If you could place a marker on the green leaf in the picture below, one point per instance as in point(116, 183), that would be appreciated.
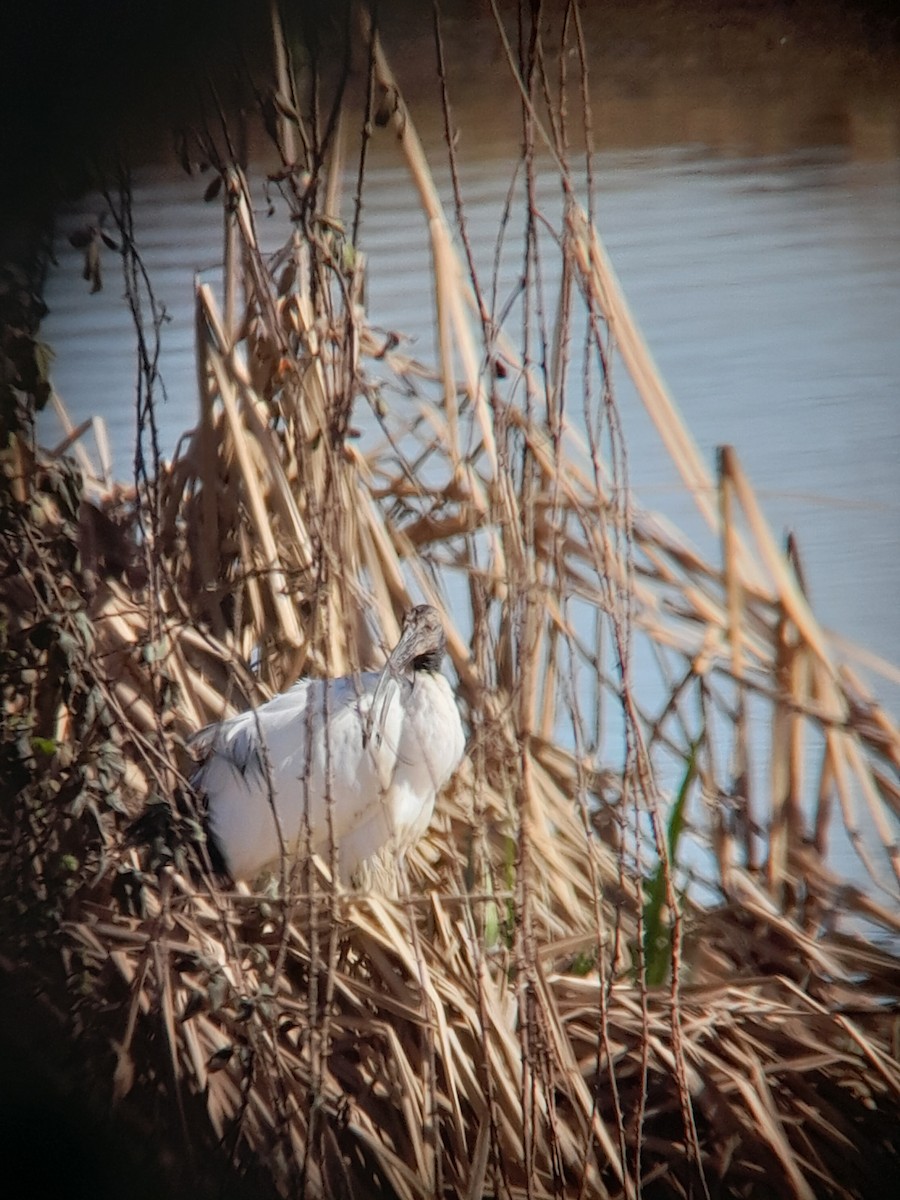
point(584, 963)
point(491, 925)
point(68, 647)
point(156, 651)
point(217, 991)
point(657, 933)
point(85, 628)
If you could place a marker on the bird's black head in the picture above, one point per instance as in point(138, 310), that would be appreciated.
point(422, 643)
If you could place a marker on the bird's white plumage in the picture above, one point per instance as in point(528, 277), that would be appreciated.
point(378, 747)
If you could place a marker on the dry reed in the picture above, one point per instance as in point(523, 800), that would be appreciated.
point(546, 1009)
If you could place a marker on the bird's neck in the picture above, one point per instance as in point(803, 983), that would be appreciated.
point(428, 662)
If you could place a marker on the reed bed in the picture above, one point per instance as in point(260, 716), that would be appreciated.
point(622, 962)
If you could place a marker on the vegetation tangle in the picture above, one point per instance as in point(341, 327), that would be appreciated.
point(620, 963)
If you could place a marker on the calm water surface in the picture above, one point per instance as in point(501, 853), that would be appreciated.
point(758, 242)
point(768, 291)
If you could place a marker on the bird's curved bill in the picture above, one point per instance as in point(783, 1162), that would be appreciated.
point(391, 674)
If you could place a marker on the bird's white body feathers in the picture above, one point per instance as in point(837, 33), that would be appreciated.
point(321, 744)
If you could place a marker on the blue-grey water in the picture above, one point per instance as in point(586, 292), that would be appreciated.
point(768, 291)
point(764, 271)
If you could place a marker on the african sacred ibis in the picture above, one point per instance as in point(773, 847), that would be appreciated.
point(378, 745)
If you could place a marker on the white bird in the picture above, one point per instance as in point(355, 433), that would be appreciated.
point(377, 746)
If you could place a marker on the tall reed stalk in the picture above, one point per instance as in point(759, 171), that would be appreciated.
point(622, 962)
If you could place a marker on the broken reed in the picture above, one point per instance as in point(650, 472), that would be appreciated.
point(494, 1030)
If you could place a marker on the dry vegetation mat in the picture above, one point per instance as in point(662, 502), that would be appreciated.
point(621, 963)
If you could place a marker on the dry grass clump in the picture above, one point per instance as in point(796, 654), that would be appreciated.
point(547, 1008)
